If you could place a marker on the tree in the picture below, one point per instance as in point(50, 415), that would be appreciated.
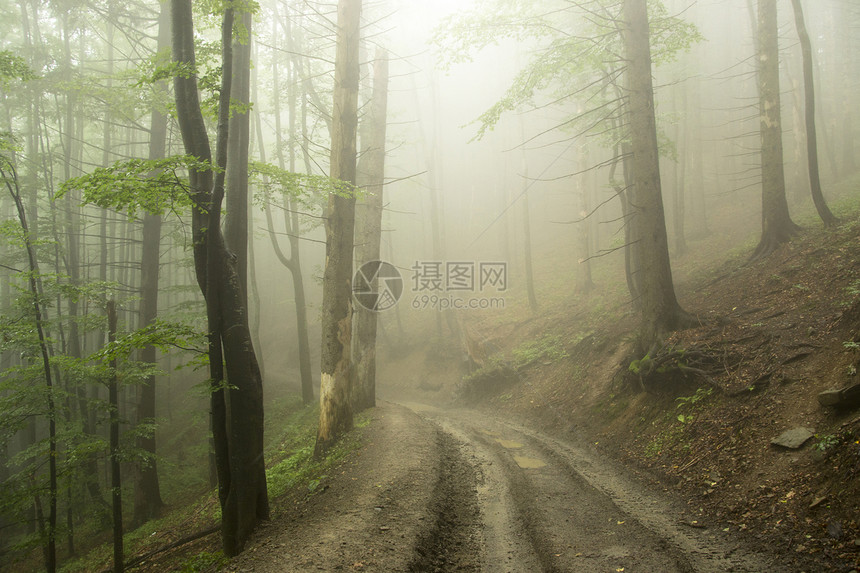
point(777, 226)
point(236, 221)
point(335, 407)
point(370, 176)
point(236, 393)
point(575, 68)
point(811, 136)
point(9, 175)
point(115, 474)
point(661, 312)
point(147, 495)
point(293, 262)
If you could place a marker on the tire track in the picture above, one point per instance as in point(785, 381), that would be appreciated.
point(549, 505)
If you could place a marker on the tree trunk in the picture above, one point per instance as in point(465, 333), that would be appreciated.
point(236, 220)
point(811, 138)
point(335, 408)
point(291, 216)
point(237, 409)
point(527, 244)
point(661, 312)
point(147, 493)
point(10, 178)
point(371, 178)
point(115, 476)
point(777, 226)
point(679, 209)
point(584, 281)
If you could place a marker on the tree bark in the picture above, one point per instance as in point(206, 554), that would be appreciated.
point(147, 493)
point(237, 409)
point(236, 220)
point(115, 475)
point(811, 137)
point(10, 178)
point(584, 281)
point(371, 178)
point(291, 216)
point(777, 226)
point(661, 312)
point(679, 209)
point(335, 407)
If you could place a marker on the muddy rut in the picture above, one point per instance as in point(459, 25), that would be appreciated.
point(458, 490)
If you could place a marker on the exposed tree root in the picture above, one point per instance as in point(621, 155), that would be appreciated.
point(178, 543)
point(666, 367)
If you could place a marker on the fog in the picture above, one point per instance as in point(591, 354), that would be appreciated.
point(706, 100)
point(533, 191)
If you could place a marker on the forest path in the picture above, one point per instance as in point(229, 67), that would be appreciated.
point(459, 490)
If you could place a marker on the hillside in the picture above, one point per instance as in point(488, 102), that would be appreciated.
point(773, 335)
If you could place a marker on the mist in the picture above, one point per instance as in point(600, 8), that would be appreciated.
point(569, 190)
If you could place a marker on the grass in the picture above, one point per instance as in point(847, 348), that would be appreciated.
point(291, 434)
point(547, 348)
point(292, 463)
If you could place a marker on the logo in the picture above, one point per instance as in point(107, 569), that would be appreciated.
point(377, 286)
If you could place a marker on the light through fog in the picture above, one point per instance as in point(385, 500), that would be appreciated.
point(561, 178)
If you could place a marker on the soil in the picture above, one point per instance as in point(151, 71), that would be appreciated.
point(581, 463)
point(459, 490)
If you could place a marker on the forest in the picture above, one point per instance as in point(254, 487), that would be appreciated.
point(244, 243)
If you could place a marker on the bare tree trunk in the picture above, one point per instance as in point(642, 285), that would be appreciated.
point(236, 220)
point(527, 245)
point(10, 178)
point(777, 226)
point(371, 178)
point(291, 216)
point(584, 282)
point(679, 210)
point(115, 475)
point(335, 407)
point(811, 137)
point(237, 410)
point(661, 312)
point(147, 493)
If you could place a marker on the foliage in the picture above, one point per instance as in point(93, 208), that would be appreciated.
point(700, 396)
point(296, 469)
point(493, 376)
point(310, 190)
point(204, 561)
point(825, 442)
point(14, 67)
point(576, 58)
point(547, 348)
point(162, 334)
point(150, 185)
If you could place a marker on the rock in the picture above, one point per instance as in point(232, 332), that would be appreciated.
point(818, 501)
point(834, 529)
point(793, 439)
point(847, 397)
point(830, 397)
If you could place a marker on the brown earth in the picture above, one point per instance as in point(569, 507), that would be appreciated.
point(577, 463)
point(773, 335)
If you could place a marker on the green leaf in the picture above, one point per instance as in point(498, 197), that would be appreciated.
point(153, 186)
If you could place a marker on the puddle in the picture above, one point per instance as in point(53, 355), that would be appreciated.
point(509, 444)
point(489, 433)
point(529, 463)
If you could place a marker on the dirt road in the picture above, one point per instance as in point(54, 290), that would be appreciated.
point(458, 490)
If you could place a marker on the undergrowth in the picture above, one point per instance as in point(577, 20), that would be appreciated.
point(290, 437)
